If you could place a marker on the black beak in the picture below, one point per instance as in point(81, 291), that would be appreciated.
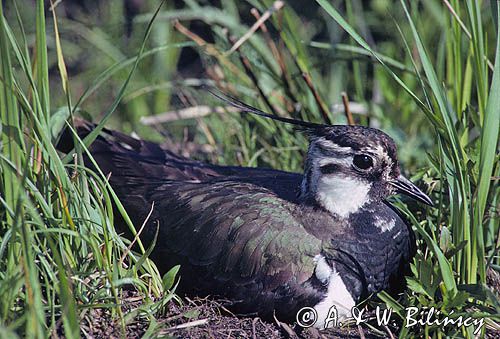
point(406, 187)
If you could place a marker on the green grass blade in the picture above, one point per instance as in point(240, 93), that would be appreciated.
point(489, 138)
point(113, 69)
point(348, 28)
point(456, 152)
point(95, 132)
point(42, 68)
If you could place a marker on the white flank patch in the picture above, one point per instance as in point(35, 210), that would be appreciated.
point(322, 270)
point(342, 195)
point(384, 224)
point(337, 295)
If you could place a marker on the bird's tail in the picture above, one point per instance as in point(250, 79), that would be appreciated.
point(131, 160)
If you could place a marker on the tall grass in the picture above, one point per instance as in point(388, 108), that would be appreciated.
point(59, 252)
point(465, 162)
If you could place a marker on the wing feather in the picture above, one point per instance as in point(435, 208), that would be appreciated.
point(235, 239)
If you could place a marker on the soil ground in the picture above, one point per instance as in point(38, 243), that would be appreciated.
point(205, 318)
point(208, 318)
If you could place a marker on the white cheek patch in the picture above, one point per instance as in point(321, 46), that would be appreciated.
point(337, 295)
point(342, 195)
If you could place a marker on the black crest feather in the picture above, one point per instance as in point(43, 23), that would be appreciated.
point(245, 108)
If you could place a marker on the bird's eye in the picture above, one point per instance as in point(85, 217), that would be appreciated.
point(362, 161)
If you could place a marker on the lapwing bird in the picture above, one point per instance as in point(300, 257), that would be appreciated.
point(271, 241)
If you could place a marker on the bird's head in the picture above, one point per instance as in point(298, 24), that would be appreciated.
point(348, 167)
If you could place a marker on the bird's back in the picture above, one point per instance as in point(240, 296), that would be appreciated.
point(134, 162)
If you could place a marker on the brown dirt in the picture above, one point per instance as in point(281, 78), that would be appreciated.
point(200, 318)
point(213, 320)
point(207, 318)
